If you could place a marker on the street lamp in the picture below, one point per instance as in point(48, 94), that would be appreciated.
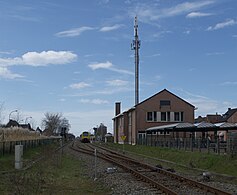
point(11, 113)
point(27, 118)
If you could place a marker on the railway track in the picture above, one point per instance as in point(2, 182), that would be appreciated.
point(164, 181)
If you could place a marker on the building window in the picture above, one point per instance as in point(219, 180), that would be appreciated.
point(163, 132)
point(168, 116)
point(166, 132)
point(154, 116)
point(179, 116)
point(164, 103)
point(163, 116)
point(176, 116)
point(149, 116)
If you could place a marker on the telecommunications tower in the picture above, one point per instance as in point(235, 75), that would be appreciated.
point(136, 46)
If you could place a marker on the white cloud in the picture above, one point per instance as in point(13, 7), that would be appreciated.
point(105, 65)
point(25, 18)
point(206, 105)
point(109, 66)
point(94, 101)
point(209, 106)
point(161, 33)
point(110, 28)
point(150, 56)
point(79, 85)
point(228, 22)
point(48, 57)
point(5, 52)
point(7, 74)
point(11, 61)
point(148, 13)
point(103, 91)
point(215, 53)
point(185, 7)
point(229, 83)
point(104, 1)
point(117, 83)
point(43, 58)
point(187, 32)
point(73, 32)
point(198, 15)
point(158, 77)
point(122, 71)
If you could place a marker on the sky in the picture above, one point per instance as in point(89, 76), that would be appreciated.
point(74, 57)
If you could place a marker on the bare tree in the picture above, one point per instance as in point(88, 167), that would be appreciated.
point(65, 124)
point(51, 122)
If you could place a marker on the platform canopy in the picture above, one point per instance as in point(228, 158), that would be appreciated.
point(189, 127)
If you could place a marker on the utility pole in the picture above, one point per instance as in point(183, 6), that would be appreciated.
point(136, 46)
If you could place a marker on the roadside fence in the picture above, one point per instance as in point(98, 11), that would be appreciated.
point(193, 144)
point(8, 147)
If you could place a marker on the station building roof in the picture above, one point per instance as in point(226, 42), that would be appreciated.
point(189, 127)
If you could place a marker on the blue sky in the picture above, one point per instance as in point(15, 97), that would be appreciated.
point(74, 57)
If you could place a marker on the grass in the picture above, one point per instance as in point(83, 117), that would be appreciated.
point(56, 174)
point(222, 164)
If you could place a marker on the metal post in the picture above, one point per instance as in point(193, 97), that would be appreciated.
point(11, 113)
point(123, 147)
point(95, 178)
point(191, 142)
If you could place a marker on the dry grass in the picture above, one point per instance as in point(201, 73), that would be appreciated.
point(16, 133)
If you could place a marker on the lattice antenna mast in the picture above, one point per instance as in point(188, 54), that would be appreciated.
point(136, 46)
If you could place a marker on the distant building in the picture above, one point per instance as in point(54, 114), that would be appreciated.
point(163, 108)
point(109, 138)
point(230, 116)
point(13, 123)
point(100, 132)
point(38, 130)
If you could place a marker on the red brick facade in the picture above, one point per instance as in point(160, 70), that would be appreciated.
point(160, 109)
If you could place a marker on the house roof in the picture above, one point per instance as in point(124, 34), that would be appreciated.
point(165, 90)
point(132, 108)
point(12, 123)
point(121, 114)
point(229, 113)
point(217, 118)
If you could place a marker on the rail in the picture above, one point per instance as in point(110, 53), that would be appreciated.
point(150, 174)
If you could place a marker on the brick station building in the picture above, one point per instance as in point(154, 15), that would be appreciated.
point(163, 108)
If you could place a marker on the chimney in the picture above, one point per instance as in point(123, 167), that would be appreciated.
point(229, 109)
point(117, 108)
